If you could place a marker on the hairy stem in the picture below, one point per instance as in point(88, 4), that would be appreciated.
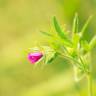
point(90, 87)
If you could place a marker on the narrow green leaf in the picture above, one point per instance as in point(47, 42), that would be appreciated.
point(75, 35)
point(58, 28)
point(46, 33)
point(85, 25)
point(93, 42)
point(59, 31)
point(75, 24)
point(56, 39)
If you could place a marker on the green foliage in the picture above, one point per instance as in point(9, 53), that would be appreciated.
point(85, 45)
point(76, 39)
point(75, 24)
point(49, 55)
point(85, 25)
point(46, 33)
point(73, 48)
point(75, 35)
point(59, 30)
point(60, 33)
point(93, 42)
point(78, 73)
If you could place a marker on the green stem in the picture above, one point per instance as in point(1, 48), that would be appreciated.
point(90, 89)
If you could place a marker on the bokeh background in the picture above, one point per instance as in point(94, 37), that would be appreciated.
point(20, 24)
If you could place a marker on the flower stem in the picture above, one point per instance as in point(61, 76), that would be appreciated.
point(90, 89)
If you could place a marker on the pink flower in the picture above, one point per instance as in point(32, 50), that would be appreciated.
point(34, 57)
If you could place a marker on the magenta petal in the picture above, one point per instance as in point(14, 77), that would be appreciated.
point(34, 57)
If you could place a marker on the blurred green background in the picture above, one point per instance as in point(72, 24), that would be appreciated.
point(20, 25)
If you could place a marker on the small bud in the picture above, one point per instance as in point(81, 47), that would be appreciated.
point(34, 57)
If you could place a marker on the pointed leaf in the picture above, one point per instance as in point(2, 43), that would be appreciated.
point(85, 25)
point(59, 31)
point(75, 24)
point(93, 42)
point(75, 35)
point(46, 33)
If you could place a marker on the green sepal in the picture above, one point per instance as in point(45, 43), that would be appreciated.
point(49, 54)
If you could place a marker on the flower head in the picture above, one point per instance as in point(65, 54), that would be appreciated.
point(34, 57)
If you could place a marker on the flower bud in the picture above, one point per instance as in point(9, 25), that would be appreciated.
point(34, 57)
